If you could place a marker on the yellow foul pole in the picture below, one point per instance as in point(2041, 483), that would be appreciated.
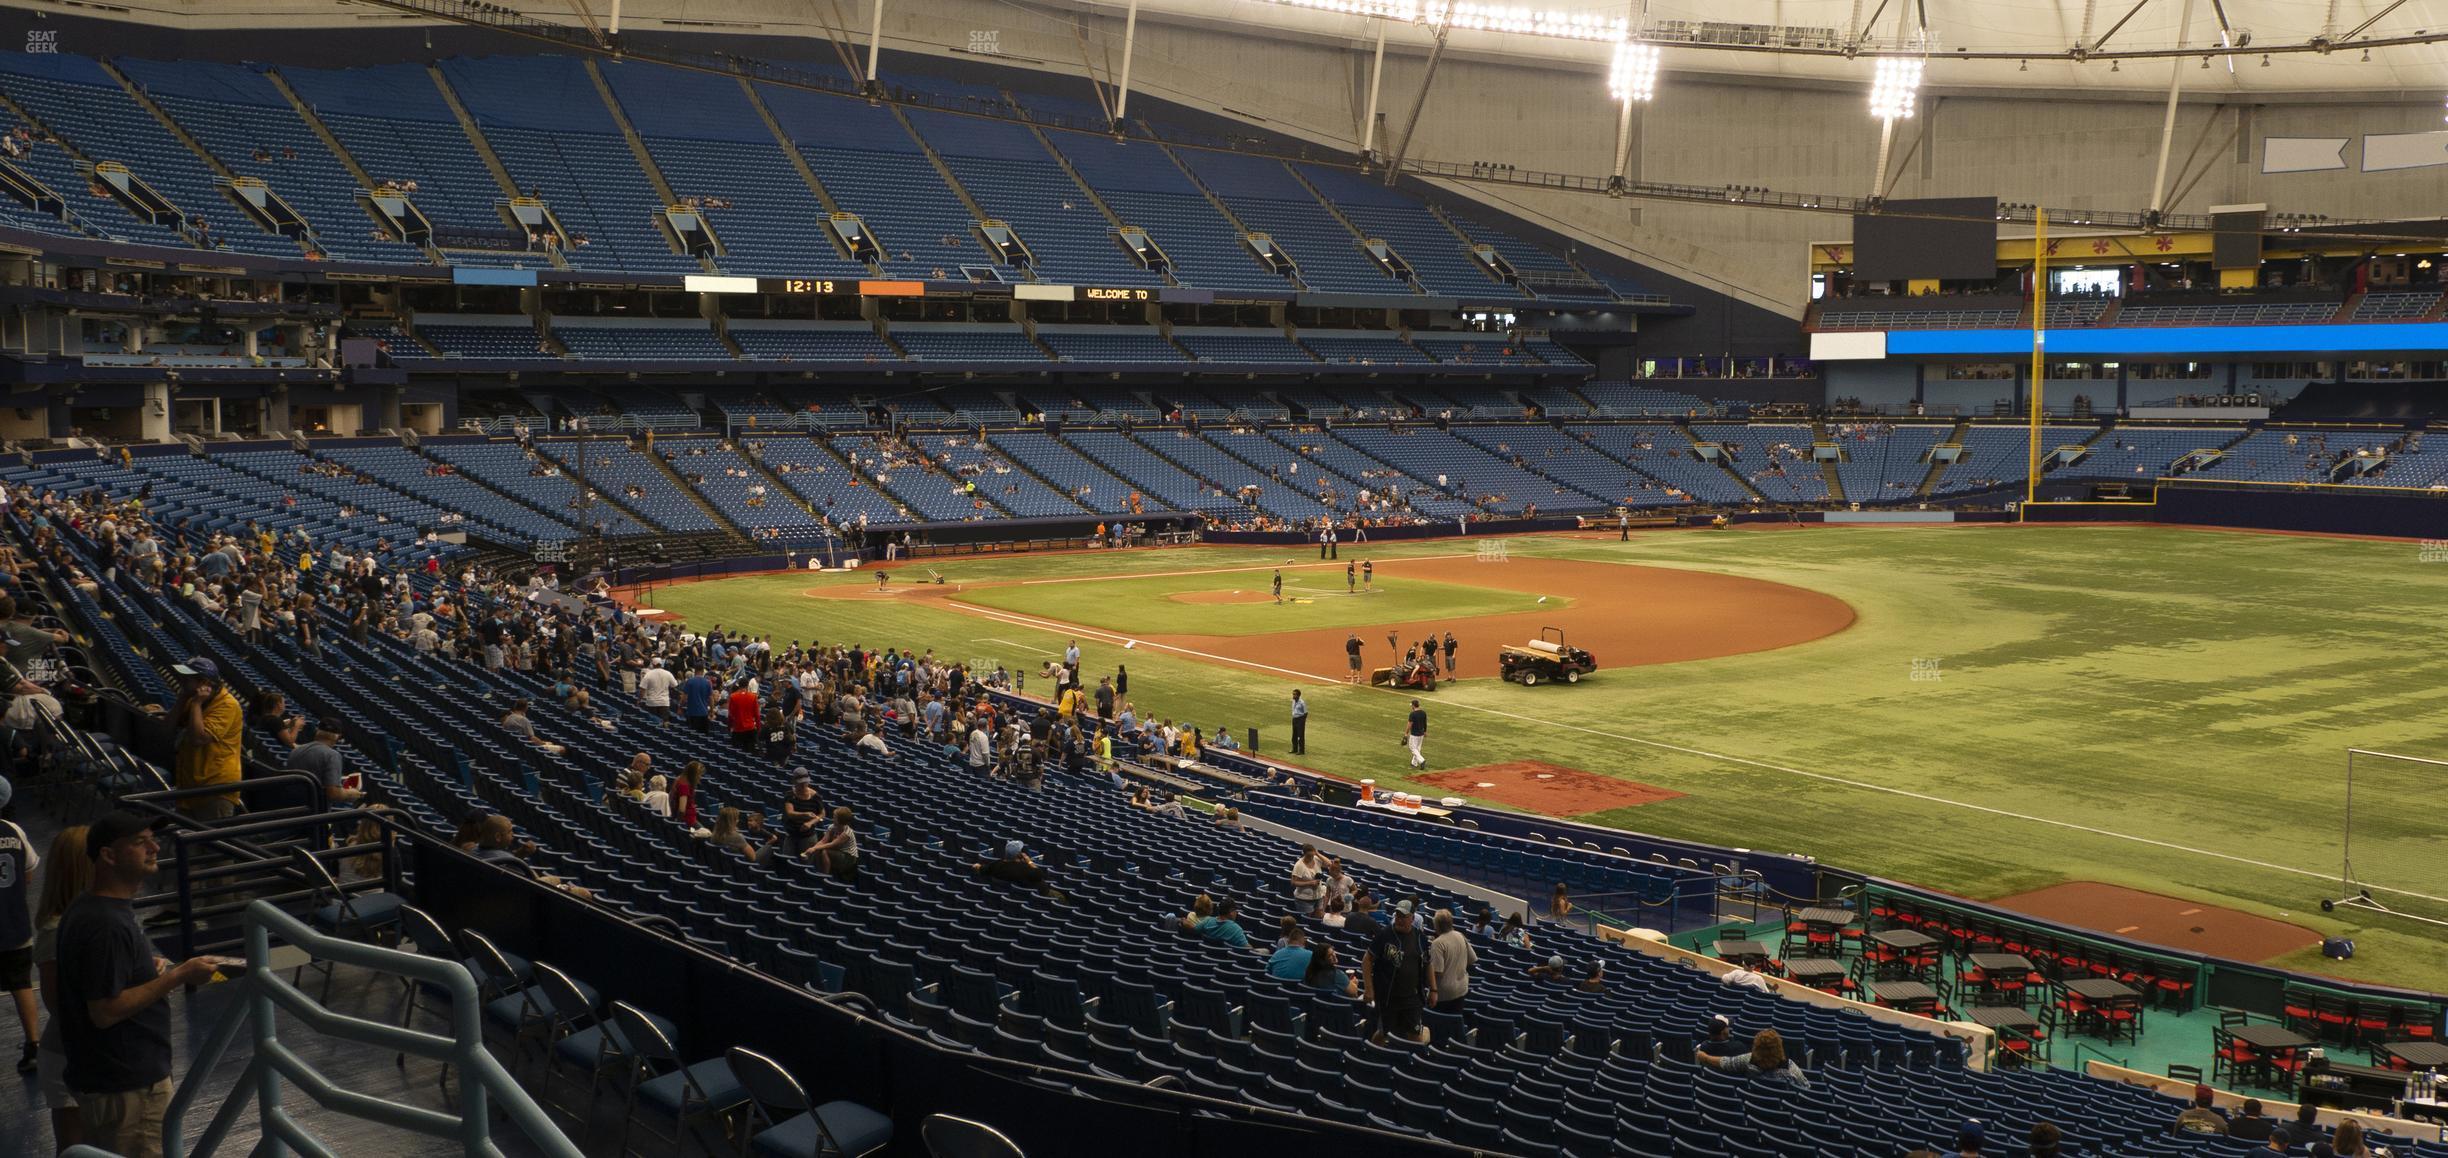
point(2031, 477)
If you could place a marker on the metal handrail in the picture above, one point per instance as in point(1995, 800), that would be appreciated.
point(265, 994)
point(2083, 1047)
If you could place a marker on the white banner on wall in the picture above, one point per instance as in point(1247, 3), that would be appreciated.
point(2384, 151)
point(2303, 154)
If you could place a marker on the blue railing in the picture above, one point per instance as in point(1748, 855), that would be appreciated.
point(485, 1085)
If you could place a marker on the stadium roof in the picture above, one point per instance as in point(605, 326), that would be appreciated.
point(2108, 46)
point(2307, 50)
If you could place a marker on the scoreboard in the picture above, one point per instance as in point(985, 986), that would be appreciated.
point(829, 286)
point(882, 288)
point(804, 286)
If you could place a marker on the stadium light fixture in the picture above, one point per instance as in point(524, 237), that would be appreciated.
point(1565, 23)
point(1895, 91)
point(1406, 10)
point(1634, 78)
point(1562, 23)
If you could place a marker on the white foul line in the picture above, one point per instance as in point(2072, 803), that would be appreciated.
point(1012, 643)
point(1058, 628)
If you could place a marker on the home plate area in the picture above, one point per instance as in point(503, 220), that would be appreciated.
point(1547, 789)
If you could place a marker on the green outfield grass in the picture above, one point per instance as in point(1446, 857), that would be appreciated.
point(1312, 599)
point(2163, 709)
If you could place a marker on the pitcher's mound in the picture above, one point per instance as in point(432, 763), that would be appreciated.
point(1547, 789)
point(2157, 920)
point(1221, 597)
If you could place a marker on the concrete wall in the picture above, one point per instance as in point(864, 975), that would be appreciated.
point(1971, 398)
point(27, 423)
point(1874, 383)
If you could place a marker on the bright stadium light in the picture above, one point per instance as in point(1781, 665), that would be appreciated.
point(1634, 78)
point(1896, 90)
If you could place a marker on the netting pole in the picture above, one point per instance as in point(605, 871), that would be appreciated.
point(2346, 885)
point(2403, 891)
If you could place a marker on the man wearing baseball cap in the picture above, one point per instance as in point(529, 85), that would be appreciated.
point(211, 735)
point(320, 758)
point(1015, 866)
point(803, 813)
point(1396, 978)
point(114, 1025)
point(1450, 958)
point(1716, 1033)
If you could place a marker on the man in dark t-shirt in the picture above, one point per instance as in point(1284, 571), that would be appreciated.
point(1015, 867)
point(320, 758)
point(803, 813)
point(1415, 734)
point(697, 700)
point(2251, 1125)
point(1397, 978)
point(114, 1023)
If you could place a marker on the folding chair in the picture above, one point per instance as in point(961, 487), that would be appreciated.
point(682, 1091)
point(364, 918)
point(949, 1137)
point(842, 1129)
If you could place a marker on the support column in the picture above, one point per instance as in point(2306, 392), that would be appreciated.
point(1368, 124)
point(1130, 40)
point(154, 413)
point(1878, 173)
point(1436, 55)
point(1623, 145)
point(615, 25)
point(1878, 177)
point(2167, 124)
point(875, 44)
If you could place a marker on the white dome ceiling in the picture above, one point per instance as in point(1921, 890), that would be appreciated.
point(2033, 40)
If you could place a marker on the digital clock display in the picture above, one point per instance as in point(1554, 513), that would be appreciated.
point(803, 285)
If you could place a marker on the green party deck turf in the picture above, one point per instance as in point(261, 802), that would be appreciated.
point(2158, 708)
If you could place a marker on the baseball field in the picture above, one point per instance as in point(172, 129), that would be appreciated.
point(1990, 711)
